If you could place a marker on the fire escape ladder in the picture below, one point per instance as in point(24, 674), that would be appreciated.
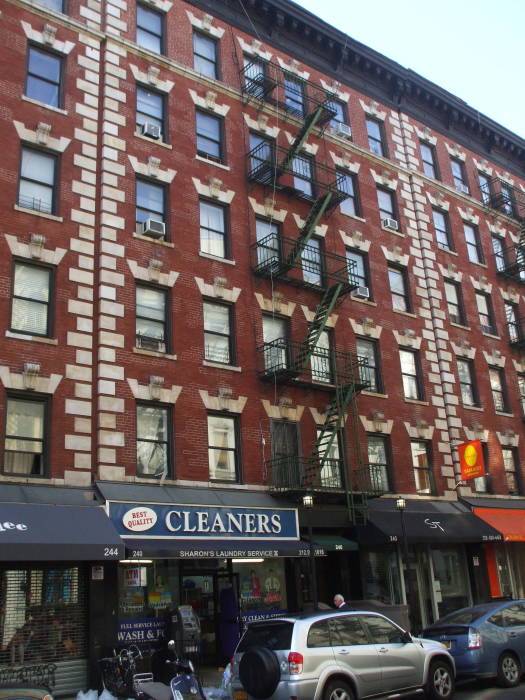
point(314, 215)
point(309, 123)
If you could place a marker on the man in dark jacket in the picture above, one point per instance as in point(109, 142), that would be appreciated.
point(340, 602)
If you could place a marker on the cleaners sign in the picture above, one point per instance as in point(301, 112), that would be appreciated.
point(177, 521)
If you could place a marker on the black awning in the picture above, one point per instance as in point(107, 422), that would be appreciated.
point(216, 549)
point(38, 532)
point(437, 522)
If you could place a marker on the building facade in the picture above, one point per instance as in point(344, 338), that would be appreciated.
point(247, 260)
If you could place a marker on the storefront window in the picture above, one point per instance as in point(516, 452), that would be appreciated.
point(262, 588)
point(381, 579)
point(450, 579)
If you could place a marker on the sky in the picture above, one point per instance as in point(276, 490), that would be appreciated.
point(475, 49)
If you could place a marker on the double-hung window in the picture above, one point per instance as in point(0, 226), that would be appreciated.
point(275, 339)
point(454, 301)
point(442, 228)
point(379, 463)
point(510, 465)
point(223, 458)
point(312, 262)
point(421, 464)
point(357, 268)
point(459, 176)
point(498, 389)
point(213, 239)
point(347, 183)
point(38, 177)
point(268, 243)
point(44, 77)
point(339, 117)
point(428, 156)
point(151, 318)
point(294, 95)
point(25, 436)
point(303, 175)
point(376, 138)
point(513, 323)
point(209, 136)
point(486, 314)
point(30, 310)
point(205, 55)
point(521, 392)
point(397, 279)
point(150, 207)
point(261, 156)
point(57, 5)
point(153, 440)
point(150, 29)
point(474, 249)
point(387, 206)
point(411, 375)
point(150, 113)
point(467, 382)
point(218, 340)
point(508, 199)
point(369, 350)
point(332, 463)
point(485, 189)
point(254, 76)
point(500, 253)
point(321, 359)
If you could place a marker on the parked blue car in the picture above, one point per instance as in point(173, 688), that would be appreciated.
point(486, 640)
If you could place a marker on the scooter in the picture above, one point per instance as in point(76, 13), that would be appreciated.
point(184, 683)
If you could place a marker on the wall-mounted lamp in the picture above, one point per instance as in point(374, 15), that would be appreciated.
point(30, 375)
point(308, 500)
point(155, 387)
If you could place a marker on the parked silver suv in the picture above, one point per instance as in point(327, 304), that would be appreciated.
point(348, 655)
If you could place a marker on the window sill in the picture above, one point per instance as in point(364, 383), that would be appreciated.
point(219, 365)
point(33, 338)
point(41, 214)
point(25, 98)
point(363, 301)
point(447, 250)
point(418, 402)
point(491, 335)
point(212, 162)
point(155, 241)
point(404, 313)
point(375, 394)
point(153, 353)
point(157, 142)
point(472, 408)
point(393, 232)
point(479, 264)
point(216, 258)
point(505, 413)
point(460, 325)
point(353, 216)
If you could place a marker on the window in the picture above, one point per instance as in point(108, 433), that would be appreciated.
point(458, 175)
point(442, 228)
point(151, 204)
point(378, 463)
point(411, 375)
point(467, 384)
point(428, 156)
point(508, 199)
point(454, 301)
point(474, 249)
point(303, 175)
point(521, 390)
point(312, 262)
point(275, 338)
point(44, 74)
point(254, 76)
point(209, 136)
point(500, 253)
point(262, 156)
point(498, 388)
point(347, 183)
point(213, 229)
point(218, 333)
point(369, 350)
point(485, 188)
point(321, 359)
point(513, 323)
point(421, 463)
point(153, 440)
point(293, 96)
point(387, 205)
point(150, 110)
point(347, 631)
point(57, 5)
point(357, 267)
point(399, 289)
point(150, 29)
point(340, 113)
point(205, 55)
point(331, 469)
point(25, 436)
point(486, 316)
point(38, 178)
point(286, 454)
point(376, 141)
point(30, 311)
point(510, 465)
point(151, 318)
point(222, 448)
point(481, 484)
point(268, 243)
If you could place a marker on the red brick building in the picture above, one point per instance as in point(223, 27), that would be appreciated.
point(246, 259)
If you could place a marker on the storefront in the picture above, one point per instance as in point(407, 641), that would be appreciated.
point(446, 556)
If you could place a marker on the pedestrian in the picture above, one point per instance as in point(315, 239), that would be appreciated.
point(340, 602)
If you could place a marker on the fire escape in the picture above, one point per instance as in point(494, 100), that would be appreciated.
point(298, 262)
point(502, 197)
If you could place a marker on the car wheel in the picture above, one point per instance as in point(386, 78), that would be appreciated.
point(259, 672)
point(440, 682)
point(338, 690)
point(509, 670)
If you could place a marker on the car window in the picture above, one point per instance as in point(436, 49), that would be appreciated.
point(463, 617)
point(318, 635)
point(497, 619)
point(514, 615)
point(347, 630)
point(272, 635)
point(381, 630)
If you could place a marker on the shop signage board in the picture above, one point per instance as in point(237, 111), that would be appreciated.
point(471, 460)
point(140, 630)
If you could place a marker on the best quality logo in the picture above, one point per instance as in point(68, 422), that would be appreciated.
point(139, 519)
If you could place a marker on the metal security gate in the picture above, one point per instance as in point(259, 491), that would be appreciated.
point(43, 625)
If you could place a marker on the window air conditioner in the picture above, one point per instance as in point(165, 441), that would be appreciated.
point(361, 292)
point(344, 130)
point(389, 223)
point(153, 228)
point(151, 130)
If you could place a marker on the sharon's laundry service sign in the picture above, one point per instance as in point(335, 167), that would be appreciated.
point(174, 521)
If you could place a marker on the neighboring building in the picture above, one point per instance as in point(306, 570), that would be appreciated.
point(248, 260)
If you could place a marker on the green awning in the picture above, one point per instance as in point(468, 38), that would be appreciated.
point(335, 543)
